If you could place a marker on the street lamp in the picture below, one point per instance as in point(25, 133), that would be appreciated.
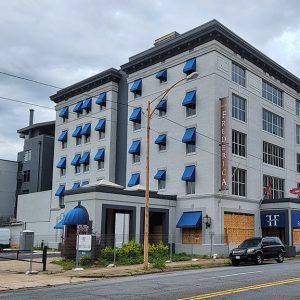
point(193, 75)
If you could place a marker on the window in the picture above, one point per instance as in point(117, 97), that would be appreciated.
point(79, 114)
point(239, 143)
point(191, 236)
point(64, 145)
point(272, 123)
point(101, 135)
point(272, 93)
point(25, 192)
point(162, 107)
point(298, 162)
point(162, 147)
point(61, 200)
point(137, 126)
point(189, 102)
point(19, 184)
point(273, 187)
point(100, 164)
point(27, 155)
point(238, 182)
point(298, 107)
point(190, 111)
point(87, 139)
point(298, 186)
point(136, 158)
point(190, 147)
point(238, 108)
point(161, 184)
point(78, 140)
point(273, 155)
point(298, 134)
point(189, 139)
point(162, 75)
point(20, 166)
point(136, 88)
point(77, 169)
point(86, 168)
point(190, 187)
point(101, 101)
point(238, 74)
point(26, 176)
point(162, 113)
point(62, 172)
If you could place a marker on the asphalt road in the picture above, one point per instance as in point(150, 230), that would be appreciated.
point(269, 281)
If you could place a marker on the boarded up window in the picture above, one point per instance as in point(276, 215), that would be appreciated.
point(238, 227)
point(191, 236)
point(296, 236)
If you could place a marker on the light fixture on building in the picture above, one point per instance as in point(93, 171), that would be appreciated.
point(207, 221)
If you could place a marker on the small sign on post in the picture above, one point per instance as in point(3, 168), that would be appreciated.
point(84, 242)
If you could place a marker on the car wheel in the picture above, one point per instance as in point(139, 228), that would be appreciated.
point(259, 259)
point(235, 263)
point(280, 257)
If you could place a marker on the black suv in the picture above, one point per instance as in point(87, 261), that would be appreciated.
point(257, 249)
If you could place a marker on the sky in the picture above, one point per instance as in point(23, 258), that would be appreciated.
point(61, 42)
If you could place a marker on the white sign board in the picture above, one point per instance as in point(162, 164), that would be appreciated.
point(84, 242)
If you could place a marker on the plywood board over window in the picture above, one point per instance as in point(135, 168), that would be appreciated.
point(296, 236)
point(238, 227)
point(191, 236)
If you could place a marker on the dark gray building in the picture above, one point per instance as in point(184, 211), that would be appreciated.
point(35, 162)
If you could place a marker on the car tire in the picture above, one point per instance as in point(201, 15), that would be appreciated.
point(235, 263)
point(280, 258)
point(259, 259)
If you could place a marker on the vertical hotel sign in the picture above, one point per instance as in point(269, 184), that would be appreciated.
point(224, 143)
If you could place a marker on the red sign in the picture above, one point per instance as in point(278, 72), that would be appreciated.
point(224, 143)
point(295, 191)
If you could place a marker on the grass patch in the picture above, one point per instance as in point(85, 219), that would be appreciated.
point(67, 264)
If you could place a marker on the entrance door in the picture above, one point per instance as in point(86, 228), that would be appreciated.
point(274, 231)
point(121, 229)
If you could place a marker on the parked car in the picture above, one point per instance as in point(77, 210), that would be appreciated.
point(4, 238)
point(257, 250)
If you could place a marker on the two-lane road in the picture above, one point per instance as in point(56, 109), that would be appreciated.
point(269, 281)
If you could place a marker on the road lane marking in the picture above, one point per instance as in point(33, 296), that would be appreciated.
point(242, 289)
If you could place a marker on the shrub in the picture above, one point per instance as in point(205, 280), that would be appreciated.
point(158, 250)
point(159, 263)
point(107, 253)
point(67, 264)
point(132, 249)
point(85, 261)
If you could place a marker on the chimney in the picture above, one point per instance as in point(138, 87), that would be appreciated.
point(31, 113)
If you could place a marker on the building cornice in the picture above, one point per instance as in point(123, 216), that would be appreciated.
point(110, 75)
point(212, 30)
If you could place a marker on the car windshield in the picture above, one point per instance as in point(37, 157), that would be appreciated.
point(250, 243)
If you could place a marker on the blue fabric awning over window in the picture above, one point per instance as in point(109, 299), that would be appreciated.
point(134, 180)
point(189, 135)
point(64, 113)
point(77, 132)
point(296, 219)
point(76, 160)
point(135, 147)
point(136, 115)
point(100, 155)
point(190, 220)
point(63, 137)
point(76, 185)
point(190, 66)
point(87, 104)
point(161, 139)
point(162, 105)
point(189, 99)
point(136, 87)
point(85, 158)
point(160, 175)
point(162, 74)
point(189, 173)
point(101, 99)
point(86, 130)
point(62, 163)
point(60, 191)
point(101, 125)
point(77, 216)
point(78, 106)
point(86, 182)
point(60, 224)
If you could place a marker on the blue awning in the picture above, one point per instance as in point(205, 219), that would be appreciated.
point(189, 135)
point(86, 182)
point(77, 132)
point(60, 224)
point(135, 147)
point(134, 180)
point(64, 113)
point(160, 175)
point(136, 87)
point(77, 216)
point(86, 130)
point(101, 125)
point(78, 106)
point(161, 139)
point(76, 185)
point(60, 191)
point(136, 115)
point(189, 173)
point(272, 219)
point(189, 99)
point(190, 66)
point(162, 74)
point(100, 155)
point(101, 99)
point(190, 220)
point(62, 163)
point(76, 160)
point(162, 105)
point(296, 219)
point(87, 104)
point(85, 158)
point(63, 137)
